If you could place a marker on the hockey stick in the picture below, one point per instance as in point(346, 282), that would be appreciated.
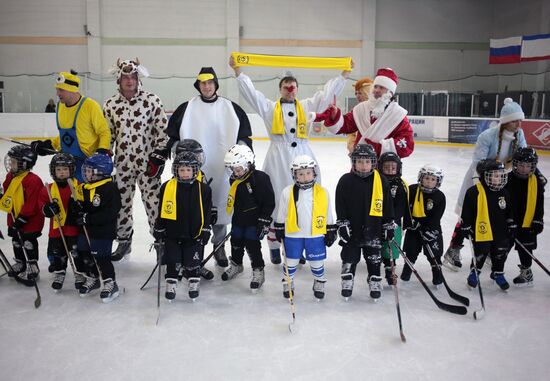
point(160, 252)
point(459, 310)
point(479, 314)
point(222, 242)
point(58, 220)
point(290, 292)
point(11, 271)
point(396, 292)
point(52, 151)
point(459, 298)
point(532, 256)
point(38, 300)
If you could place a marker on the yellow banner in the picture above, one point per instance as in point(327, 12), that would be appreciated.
point(247, 59)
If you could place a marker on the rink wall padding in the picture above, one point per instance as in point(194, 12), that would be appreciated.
point(426, 128)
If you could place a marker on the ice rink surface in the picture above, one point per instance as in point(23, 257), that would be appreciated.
point(228, 333)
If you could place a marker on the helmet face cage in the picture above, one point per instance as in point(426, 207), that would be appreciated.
point(193, 146)
point(495, 179)
point(524, 162)
point(62, 160)
point(390, 157)
point(430, 170)
point(363, 159)
point(300, 163)
point(24, 158)
point(239, 161)
point(185, 159)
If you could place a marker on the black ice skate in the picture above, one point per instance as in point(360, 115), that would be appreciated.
point(207, 274)
point(171, 286)
point(79, 280)
point(347, 285)
point(58, 279)
point(258, 279)
point(31, 273)
point(525, 277)
point(194, 284)
point(375, 287)
point(233, 270)
point(452, 259)
point(319, 288)
point(286, 291)
point(110, 291)
point(88, 286)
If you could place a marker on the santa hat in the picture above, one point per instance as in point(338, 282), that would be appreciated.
point(511, 111)
point(362, 82)
point(387, 78)
point(206, 74)
point(68, 81)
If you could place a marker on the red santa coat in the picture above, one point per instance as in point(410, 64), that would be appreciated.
point(391, 132)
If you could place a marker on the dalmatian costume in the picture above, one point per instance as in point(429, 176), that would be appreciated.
point(137, 131)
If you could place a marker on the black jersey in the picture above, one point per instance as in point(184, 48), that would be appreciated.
point(517, 188)
point(254, 198)
point(102, 210)
point(434, 207)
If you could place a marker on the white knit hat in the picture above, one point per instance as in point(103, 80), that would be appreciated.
point(511, 111)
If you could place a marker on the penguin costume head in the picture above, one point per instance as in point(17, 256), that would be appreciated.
point(206, 74)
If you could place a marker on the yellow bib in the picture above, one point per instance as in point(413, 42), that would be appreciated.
point(418, 206)
point(319, 215)
point(531, 202)
point(483, 232)
point(91, 187)
point(232, 190)
point(14, 198)
point(278, 125)
point(377, 200)
point(169, 206)
point(54, 191)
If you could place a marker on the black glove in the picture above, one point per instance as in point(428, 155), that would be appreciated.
point(43, 147)
point(205, 235)
point(537, 226)
point(82, 219)
point(344, 230)
point(263, 227)
point(388, 231)
point(75, 206)
point(155, 165)
point(17, 225)
point(214, 215)
point(414, 224)
point(512, 229)
point(51, 209)
point(279, 231)
point(159, 232)
point(331, 235)
point(104, 151)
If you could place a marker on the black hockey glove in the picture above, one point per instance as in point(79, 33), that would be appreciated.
point(537, 226)
point(159, 232)
point(332, 234)
point(51, 209)
point(512, 229)
point(155, 166)
point(279, 231)
point(205, 235)
point(17, 226)
point(82, 219)
point(344, 230)
point(262, 228)
point(388, 231)
point(213, 215)
point(43, 147)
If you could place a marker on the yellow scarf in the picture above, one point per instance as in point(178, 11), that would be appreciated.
point(319, 215)
point(14, 198)
point(232, 191)
point(531, 202)
point(278, 124)
point(377, 200)
point(483, 232)
point(247, 59)
point(169, 206)
point(418, 206)
point(54, 191)
point(91, 187)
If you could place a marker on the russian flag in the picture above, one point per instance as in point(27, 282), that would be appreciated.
point(505, 50)
point(535, 47)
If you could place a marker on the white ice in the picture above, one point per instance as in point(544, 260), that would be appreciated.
point(231, 334)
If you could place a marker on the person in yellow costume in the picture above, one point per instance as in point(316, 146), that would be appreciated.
point(82, 127)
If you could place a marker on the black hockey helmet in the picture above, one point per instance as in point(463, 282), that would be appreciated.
point(492, 173)
point(390, 157)
point(24, 156)
point(363, 151)
point(524, 162)
point(185, 159)
point(193, 146)
point(62, 159)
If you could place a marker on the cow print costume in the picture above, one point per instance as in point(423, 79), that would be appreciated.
point(137, 128)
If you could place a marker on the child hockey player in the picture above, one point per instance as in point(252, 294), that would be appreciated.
point(62, 170)
point(527, 191)
point(423, 225)
point(184, 224)
point(390, 166)
point(25, 220)
point(304, 221)
point(251, 199)
point(487, 217)
point(364, 209)
point(98, 218)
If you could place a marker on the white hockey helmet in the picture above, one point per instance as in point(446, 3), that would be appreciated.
point(303, 162)
point(239, 156)
point(430, 170)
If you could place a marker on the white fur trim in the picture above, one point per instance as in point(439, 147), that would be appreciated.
point(387, 145)
point(511, 117)
point(386, 82)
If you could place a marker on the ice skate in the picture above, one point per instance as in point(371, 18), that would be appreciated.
point(347, 285)
point(525, 277)
point(110, 291)
point(452, 259)
point(194, 284)
point(58, 279)
point(319, 289)
point(500, 280)
point(123, 249)
point(375, 287)
point(89, 285)
point(233, 270)
point(170, 291)
point(258, 279)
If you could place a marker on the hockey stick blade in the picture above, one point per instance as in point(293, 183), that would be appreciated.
point(480, 314)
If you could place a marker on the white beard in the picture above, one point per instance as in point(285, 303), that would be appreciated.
point(377, 106)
